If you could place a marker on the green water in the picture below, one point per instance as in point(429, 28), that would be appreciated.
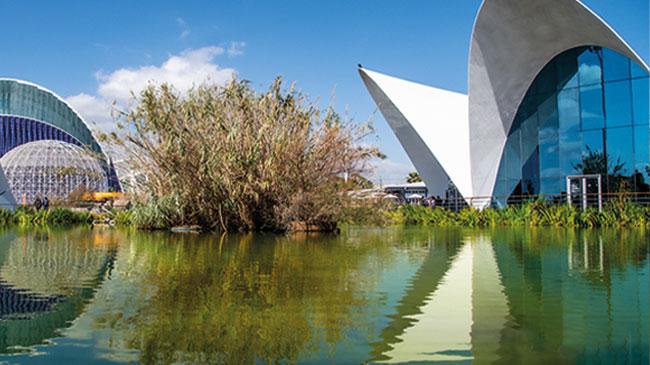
point(389, 295)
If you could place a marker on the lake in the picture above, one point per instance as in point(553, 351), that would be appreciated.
point(385, 295)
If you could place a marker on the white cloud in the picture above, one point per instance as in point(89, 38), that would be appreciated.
point(387, 171)
point(93, 109)
point(236, 49)
point(185, 70)
point(190, 68)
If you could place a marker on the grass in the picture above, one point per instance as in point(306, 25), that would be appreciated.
point(618, 213)
point(27, 216)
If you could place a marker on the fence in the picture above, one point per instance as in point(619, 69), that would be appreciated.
point(591, 199)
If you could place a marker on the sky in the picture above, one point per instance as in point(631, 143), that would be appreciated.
point(95, 52)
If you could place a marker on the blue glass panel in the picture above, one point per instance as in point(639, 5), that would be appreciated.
point(513, 159)
point(592, 141)
point(568, 110)
point(641, 148)
point(591, 107)
point(567, 70)
point(615, 66)
point(549, 157)
point(546, 80)
point(552, 186)
point(570, 152)
point(640, 100)
point(620, 151)
point(547, 112)
point(637, 70)
point(618, 103)
point(589, 68)
point(530, 174)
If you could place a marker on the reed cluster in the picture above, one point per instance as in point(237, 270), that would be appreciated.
point(230, 158)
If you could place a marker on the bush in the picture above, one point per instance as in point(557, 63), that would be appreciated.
point(231, 158)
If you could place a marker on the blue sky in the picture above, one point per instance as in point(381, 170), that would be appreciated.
point(91, 51)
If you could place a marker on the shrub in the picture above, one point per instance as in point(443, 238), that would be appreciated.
point(235, 159)
point(620, 213)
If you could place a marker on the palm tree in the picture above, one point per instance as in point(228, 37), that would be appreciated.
point(413, 177)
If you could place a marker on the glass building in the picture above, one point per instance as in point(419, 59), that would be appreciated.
point(31, 113)
point(556, 101)
point(585, 113)
point(52, 169)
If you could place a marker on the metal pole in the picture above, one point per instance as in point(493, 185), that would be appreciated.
point(568, 190)
point(584, 194)
point(600, 194)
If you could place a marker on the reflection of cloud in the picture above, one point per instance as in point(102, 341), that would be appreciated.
point(589, 73)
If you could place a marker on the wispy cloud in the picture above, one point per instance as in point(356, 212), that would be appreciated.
point(185, 29)
point(236, 48)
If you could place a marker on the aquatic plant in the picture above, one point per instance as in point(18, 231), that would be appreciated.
point(28, 216)
point(617, 213)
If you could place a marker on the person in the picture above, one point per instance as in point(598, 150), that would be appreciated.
point(46, 203)
point(38, 203)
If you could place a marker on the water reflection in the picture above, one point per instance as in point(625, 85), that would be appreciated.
point(385, 295)
point(46, 279)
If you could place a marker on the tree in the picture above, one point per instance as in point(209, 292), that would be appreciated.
point(413, 177)
point(597, 162)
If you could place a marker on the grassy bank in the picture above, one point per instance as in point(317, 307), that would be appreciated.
point(619, 213)
point(56, 216)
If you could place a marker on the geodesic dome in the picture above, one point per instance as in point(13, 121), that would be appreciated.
point(53, 169)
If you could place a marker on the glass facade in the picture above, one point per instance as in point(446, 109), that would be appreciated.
point(31, 102)
point(29, 113)
point(15, 131)
point(52, 169)
point(586, 112)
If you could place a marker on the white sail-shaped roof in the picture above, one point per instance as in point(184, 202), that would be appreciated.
point(431, 124)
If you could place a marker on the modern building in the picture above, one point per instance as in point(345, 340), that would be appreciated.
point(556, 101)
point(30, 113)
point(51, 168)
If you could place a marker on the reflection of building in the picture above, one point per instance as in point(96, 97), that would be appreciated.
point(514, 297)
point(31, 113)
point(553, 91)
point(456, 317)
point(45, 285)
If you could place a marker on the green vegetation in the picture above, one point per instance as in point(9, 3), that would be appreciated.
point(413, 177)
point(618, 213)
point(230, 158)
point(28, 216)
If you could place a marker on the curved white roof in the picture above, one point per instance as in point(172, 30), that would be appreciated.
point(462, 137)
point(512, 41)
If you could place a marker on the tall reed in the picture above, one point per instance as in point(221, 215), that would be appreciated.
point(229, 157)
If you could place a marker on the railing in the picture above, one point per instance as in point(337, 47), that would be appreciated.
point(458, 203)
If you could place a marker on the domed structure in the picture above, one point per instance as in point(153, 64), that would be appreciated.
point(53, 169)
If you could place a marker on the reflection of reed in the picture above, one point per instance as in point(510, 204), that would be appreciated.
point(51, 267)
